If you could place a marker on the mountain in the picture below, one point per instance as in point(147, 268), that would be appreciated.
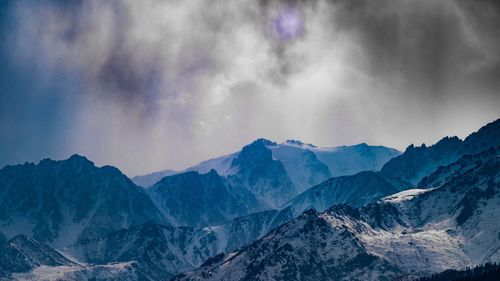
point(399, 173)
point(263, 175)
point(349, 160)
point(275, 173)
point(24, 258)
point(487, 136)
point(220, 164)
point(301, 163)
point(159, 251)
point(445, 174)
point(110, 229)
point(306, 164)
point(412, 233)
point(193, 199)
point(244, 230)
point(22, 254)
point(256, 170)
point(61, 202)
point(406, 170)
point(150, 179)
point(307, 248)
point(356, 191)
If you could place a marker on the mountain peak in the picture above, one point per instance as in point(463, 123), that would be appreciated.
point(487, 136)
point(79, 162)
point(298, 143)
point(78, 157)
point(363, 144)
point(449, 141)
point(213, 172)
point(263, 141)
point(74, 159)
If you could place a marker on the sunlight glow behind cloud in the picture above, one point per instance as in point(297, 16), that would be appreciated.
point(148, 85)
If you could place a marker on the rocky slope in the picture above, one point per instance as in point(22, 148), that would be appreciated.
point(115, 232)
point(255, 169)
point(416, 232)
point(356, 191)
point(61, 202)
point(22, 254)
point(162, 251)
point(406, 170)
point(191, 199)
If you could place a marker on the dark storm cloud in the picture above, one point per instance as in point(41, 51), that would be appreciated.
point(147, 85)
point(426, 42)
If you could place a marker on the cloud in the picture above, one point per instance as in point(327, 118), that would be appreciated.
point(148, 85)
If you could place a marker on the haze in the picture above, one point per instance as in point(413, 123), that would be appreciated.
point(149, 85)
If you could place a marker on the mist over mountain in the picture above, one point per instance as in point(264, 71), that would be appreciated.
point(248, 219)
point(306, 164)
point(269, 140)
point(191, 199)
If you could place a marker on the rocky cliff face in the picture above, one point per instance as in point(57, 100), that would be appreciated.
point(61, 202)
point(408, 169)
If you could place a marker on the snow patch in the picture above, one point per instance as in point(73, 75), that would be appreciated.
point(404, 195)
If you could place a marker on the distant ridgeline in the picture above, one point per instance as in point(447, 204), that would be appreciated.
point(289, 211)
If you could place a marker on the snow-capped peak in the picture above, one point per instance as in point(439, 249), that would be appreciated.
point(297, 143)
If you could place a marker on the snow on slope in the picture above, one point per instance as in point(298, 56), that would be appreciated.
point(22, 253)
point(150, 179)
point(349, 160)
point(109, 272)
point(304, 168)
point(222, 165)
point(162, 251)
point(410, 234)
point(404, 195)
point(301, 164)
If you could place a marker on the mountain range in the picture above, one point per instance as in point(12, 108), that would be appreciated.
point(306, 164)
point(414, 232)
point(262, 176)
point(289, 211)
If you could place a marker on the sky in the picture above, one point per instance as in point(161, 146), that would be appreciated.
point(155, 84)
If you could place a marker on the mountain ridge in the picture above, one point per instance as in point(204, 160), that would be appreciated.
point(59, 202)
point(381, 237)
point(222, 163)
